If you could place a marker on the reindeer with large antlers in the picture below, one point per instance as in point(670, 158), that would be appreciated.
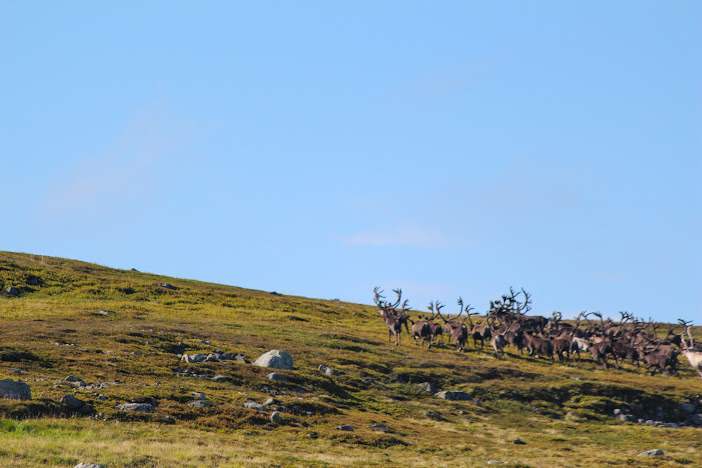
point(689, 351)
point(392, 318)
point(456, 330)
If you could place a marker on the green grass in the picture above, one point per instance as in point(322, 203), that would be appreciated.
point(54, 329)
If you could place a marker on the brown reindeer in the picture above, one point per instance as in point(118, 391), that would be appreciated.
point(390, 315)
point(538, 345)
point(422, 330)
point(457, 331)
point(479, 331)
point(601, 350)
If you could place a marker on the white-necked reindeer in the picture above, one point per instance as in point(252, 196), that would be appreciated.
point(692, 355)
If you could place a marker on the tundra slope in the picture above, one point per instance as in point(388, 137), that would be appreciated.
point(56, 328)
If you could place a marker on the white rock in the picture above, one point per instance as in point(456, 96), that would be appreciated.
point(277, 359)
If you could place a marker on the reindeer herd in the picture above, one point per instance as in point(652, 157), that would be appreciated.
point(506, 324)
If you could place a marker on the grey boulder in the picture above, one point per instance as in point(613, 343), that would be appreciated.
point(138, 407)
point(276, 359)
point(15, 390)
point(72, 402)
point(255, 406)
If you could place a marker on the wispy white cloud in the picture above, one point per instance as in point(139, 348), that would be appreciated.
point(116, 177)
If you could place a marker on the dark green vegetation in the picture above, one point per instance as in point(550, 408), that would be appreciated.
point(54, 328)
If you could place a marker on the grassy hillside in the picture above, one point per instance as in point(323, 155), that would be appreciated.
point(121, 333)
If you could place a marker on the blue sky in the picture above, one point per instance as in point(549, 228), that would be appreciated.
point(324, 148)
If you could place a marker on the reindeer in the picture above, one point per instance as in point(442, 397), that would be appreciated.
point(578, 343)
point(421, 330)
point(391, 317)
point(478, 331)
point(498, 343)
point(601, 350)
point(689, 351)
point(538, 345)
point(514, 336)
point(456, 330)
point(660, 358)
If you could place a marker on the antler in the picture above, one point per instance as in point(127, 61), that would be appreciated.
point(439, 306)
point(687, 330)
point(397, 291)
point(467, 317)
point(377, 292)
point(527, 302)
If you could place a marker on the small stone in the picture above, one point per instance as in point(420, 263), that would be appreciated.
point(101, 397)
point(255, 406)
point(270, 401)
point(328, 370)
point(220, 378)
point(138, 407)
point(105, 312)
point(167, 286)
point(11, 291)
point(344, 427)
point(277, 377)
point(688, 408)
point(89, 465)
point(519, 442)
point(617, 411)
point(428, 387)
point(379, 427)
point(72, 379)
point(275, 418)
point(652, 453)
point(200, 404)
point(454, 396)
point(312, 435)
point(198, 395)
point(194, 358)
point(696, 419)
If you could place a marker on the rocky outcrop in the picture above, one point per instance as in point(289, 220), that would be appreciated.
point(15, 390)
